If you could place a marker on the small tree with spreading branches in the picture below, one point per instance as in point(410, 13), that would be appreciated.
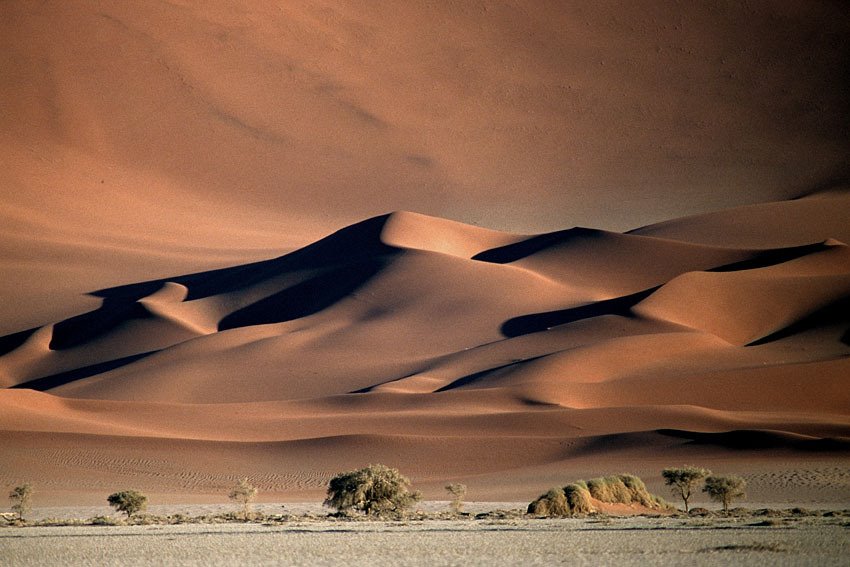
point(244, 493)
point(725, 489)
point(21, 497)
point(682, 481)
point(376, 489)
point(458, 491)
point(128, 501)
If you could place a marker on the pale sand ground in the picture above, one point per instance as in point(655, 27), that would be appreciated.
point(627, 541)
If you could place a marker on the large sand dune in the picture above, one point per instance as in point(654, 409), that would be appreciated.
point(450, 351)
point(165, 321)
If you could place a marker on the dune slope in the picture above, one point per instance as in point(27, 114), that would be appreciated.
point(452, 351)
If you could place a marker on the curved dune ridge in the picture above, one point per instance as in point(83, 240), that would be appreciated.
point(451, 350)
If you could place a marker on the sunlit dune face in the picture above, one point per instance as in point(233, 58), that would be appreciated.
point(202, 277)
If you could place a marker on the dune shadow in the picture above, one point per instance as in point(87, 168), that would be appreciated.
point(55, 380)
point(772, 257)
point(836, 313)
point(305, 298)
point(477, 376)
point(89, 326)
point(8, 343)
point(352, 243)
point(755, 439)
point(536, 322)
point(524, 248)
point(354, 249)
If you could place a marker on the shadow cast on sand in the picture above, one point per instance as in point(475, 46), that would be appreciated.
point(63, 378)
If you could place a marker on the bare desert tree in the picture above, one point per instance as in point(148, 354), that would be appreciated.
point(458, 491)
point(376, 489)
point(725, 489)
point(682, 481)
point(128, 501)
point(21, 497)
point(244, 493)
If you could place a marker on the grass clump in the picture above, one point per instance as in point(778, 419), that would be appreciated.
point(623, 489)
point(571, 500)
point(553, 503)
point(578, 498)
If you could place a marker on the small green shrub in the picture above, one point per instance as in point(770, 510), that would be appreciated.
point(128, 501)
point(725, 489)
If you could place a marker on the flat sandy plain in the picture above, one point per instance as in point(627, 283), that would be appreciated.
point(747, 540)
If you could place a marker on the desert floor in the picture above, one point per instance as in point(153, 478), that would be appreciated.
point(609, 541)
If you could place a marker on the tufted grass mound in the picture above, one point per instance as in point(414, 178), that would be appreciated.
point(579, 497)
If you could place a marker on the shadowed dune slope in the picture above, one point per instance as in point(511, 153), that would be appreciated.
point(145, 139)
point(434, 345)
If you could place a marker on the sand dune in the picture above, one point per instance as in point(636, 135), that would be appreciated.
point(173, 315)
point(451, 351)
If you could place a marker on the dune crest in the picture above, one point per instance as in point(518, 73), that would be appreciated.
point(436, 345)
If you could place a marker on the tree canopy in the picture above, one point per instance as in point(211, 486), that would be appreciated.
point(375, 489)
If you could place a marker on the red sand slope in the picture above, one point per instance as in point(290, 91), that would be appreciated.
point(142, 141)
point(449, 350)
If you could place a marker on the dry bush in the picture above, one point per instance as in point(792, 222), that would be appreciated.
point(21, 497)
point(623, 489)
point(376, 490)
point(458, 491)
point(553, 503)
point(567, 501)
point(244, 493)
point(103, 521)
point(609, 489)
point(578, 498)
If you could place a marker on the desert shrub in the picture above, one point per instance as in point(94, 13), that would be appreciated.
point(457, 491)
point(553, 503)
point(376, 489)
point(683, 480)
point(128, 501)
point(21, 497)
point(623, 489)
point(244, 493)
point(578, 498)
point(103, 521)
point(567, 501)
point(609, 489)
point(725, 489)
